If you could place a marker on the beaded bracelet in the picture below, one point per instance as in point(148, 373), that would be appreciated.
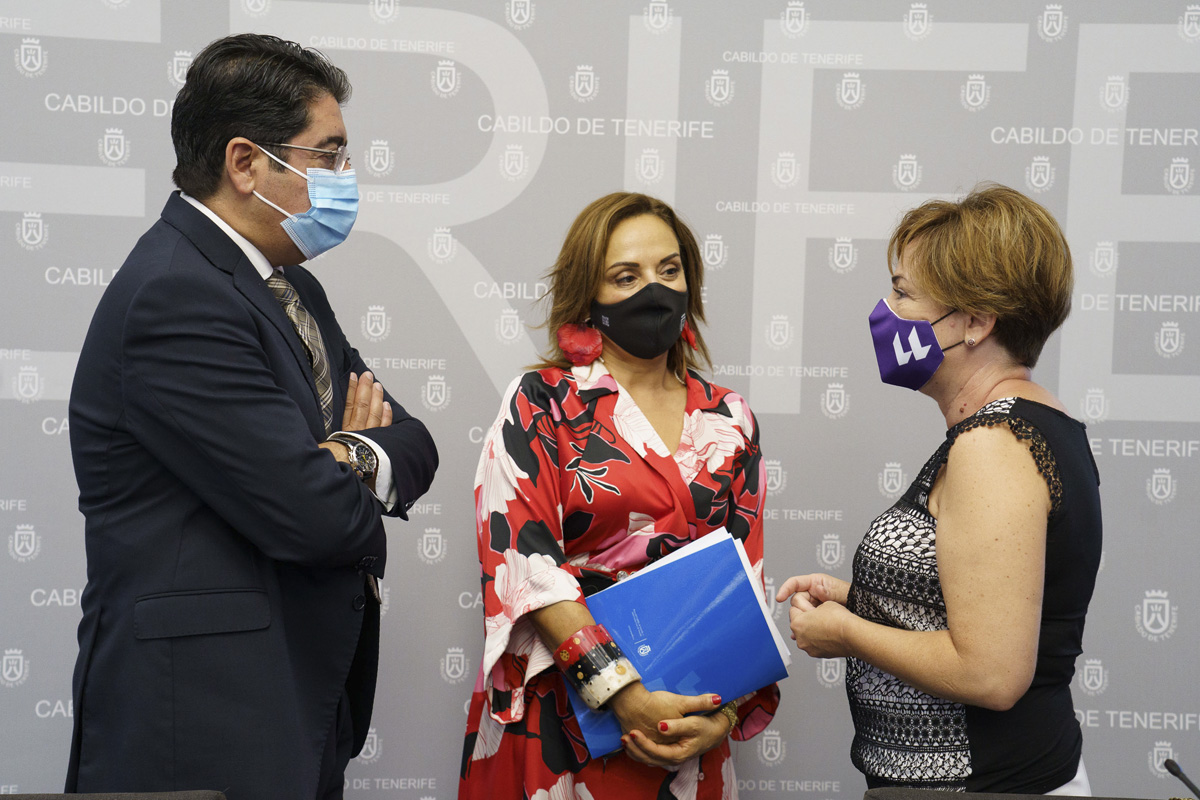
point(595, 665)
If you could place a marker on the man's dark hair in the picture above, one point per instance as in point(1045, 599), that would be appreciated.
point(250, 85)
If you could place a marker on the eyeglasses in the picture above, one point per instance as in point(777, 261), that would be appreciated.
point(341, 158)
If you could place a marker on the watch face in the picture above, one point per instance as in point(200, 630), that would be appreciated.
point(363, 459)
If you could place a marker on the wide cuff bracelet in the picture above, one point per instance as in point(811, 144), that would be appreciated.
point(594, 665)
point(612, 678)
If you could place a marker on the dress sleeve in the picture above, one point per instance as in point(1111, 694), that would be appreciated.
point(518, 519)
point(747, 492)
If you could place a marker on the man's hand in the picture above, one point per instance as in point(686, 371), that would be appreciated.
point(365, 406)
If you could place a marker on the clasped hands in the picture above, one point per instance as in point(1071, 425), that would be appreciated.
point(657, 730)
point(817, 613)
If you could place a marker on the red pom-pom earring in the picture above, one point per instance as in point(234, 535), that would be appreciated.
point(689, 335)
point(581, 344)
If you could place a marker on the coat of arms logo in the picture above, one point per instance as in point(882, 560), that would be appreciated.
point(32, 231)
point(1189, 24)
point(975, 93)
point(454, 665)
point(519, 14)
point(380, 159)
point(1179, 176)
point(114, 147)
point(906, 173)
point(1156, 617)
point(584, 85)
point(850, 91)
point(445, 79)
point(384, 11)
point(1115, 93)
point(435, 394)
point(793, 20)
point(1039, 175)
point(177, 68)
point(835, 402)
point(1104, 259)
point(785, 172)
point(918, 22)
point(657, 16)
point(1052, 24)
point(714, 251)
point(14, 668)
point(30, 57)
point(843, 256)
point(1168, 341)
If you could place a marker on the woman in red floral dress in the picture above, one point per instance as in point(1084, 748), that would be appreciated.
point(611, 456)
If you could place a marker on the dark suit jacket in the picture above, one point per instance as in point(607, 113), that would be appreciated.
point(225, 602)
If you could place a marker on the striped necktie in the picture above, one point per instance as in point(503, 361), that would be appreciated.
point(310, 334)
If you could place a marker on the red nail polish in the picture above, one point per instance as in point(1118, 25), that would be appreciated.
point(716, 700)
point(662, 726)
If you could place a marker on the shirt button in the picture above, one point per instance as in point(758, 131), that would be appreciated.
point(700, 776)
point(360, 602)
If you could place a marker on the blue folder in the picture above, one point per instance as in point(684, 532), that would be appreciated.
point(692, 623)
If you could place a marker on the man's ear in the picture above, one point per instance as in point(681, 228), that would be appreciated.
point(240, 155)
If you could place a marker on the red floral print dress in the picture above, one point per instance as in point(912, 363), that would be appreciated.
point(574, 491)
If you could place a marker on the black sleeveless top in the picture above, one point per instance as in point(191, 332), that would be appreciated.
point(904, 737)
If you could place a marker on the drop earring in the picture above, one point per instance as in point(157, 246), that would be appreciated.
point(581, 344)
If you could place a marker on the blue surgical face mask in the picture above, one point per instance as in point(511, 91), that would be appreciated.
point(333, 198)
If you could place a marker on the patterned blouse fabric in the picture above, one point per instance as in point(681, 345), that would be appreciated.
point(574, 491)
point(904, 737)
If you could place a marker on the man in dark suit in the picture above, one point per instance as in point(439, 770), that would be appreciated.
point(234, 458)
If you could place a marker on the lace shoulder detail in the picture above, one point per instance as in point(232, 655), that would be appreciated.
point(999, 412)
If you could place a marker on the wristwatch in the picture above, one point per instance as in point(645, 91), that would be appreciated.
point(362, 457)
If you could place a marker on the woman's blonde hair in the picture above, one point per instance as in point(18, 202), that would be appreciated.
point(578, 272)
point(995, 251)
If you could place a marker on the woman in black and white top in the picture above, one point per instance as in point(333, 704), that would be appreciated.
point(965, 613)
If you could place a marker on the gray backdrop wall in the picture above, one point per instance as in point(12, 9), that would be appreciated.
point(790, 134)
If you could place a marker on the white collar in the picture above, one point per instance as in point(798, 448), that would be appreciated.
point(260, 262)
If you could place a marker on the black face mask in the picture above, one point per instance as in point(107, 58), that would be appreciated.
point(645, 325)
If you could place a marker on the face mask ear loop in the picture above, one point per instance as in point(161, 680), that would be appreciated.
point(272, 205)
point(943, 316)
point(286, 165)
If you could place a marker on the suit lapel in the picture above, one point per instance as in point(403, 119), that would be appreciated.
point(224, 254)
point(252, 286)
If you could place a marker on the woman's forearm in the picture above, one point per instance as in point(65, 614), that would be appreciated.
point(931, 661)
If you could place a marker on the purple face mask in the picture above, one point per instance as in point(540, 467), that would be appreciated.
point(906, 349)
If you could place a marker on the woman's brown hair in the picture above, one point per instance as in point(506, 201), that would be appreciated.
point(995, 251)
point(578, 272)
